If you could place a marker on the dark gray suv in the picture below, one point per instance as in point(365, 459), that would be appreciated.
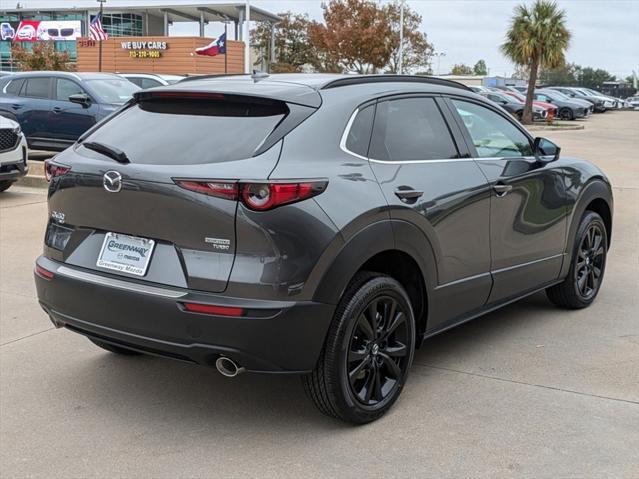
point(323, 225)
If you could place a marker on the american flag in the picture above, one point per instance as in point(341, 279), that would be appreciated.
point(96, 32)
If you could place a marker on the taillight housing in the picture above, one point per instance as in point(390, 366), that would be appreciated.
point(52, 170)
point(258, 196)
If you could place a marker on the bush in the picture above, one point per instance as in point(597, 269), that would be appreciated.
point(43, 56)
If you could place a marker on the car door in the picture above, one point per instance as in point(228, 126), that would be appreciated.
point(69, 120)
point(32, 107)
point(428, 182)
point(528, 202)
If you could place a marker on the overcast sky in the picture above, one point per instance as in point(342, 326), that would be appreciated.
point(605, 32)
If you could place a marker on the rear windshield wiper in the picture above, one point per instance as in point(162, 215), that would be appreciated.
point(110, 151)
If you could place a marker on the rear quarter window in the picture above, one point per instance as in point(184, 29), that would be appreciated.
point(14, 86)
point(359, 134)
point(187, 132)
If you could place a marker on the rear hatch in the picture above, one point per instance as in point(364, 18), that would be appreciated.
point(119, 210)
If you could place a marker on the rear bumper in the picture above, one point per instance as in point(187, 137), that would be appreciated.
point(272, 336)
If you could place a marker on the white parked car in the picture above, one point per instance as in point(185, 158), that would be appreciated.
point(150, 80)
point(13, 153)
point(633, 102)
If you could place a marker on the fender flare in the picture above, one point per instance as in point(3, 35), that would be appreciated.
point(376, 238)
point(597, 188)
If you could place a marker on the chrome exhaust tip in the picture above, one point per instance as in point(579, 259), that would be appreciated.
point(227, 367)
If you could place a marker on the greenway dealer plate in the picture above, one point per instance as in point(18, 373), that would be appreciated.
point(128, 254)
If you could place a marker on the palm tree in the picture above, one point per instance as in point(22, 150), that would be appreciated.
point(537, 38)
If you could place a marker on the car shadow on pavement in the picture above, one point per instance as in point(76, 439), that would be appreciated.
point(190, 397)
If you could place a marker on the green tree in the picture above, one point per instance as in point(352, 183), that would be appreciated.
point(566, 74)
point(356, 37)
point(417, 51)
point(480, 68)
point(537, 38)
point(594, 78)
point(461, 69)
point(293, 48)
point(41, 56)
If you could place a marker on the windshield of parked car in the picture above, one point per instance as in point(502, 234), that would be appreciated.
point(556, 95)
point(113, 90)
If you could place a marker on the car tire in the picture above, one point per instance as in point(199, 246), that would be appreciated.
point(4, 185)
point(112, 348)
point(368, 351)
point(587, 267)
point(566, 114)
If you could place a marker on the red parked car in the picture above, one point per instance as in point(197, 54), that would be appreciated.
point(549, 107)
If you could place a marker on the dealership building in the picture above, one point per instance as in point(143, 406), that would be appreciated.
point(66, 24)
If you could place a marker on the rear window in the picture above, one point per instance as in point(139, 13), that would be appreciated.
point(188, 132)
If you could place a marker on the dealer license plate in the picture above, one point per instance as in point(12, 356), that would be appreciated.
point(128, 254)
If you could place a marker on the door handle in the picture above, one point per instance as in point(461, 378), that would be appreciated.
point(502, 189)
point(407, 194)
point(57, 109)
point(16, 106)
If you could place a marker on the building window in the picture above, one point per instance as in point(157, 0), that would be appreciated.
point(122, 24)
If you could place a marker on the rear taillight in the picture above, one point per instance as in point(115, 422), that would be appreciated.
point(257, 196)
point(51, 170)
point(213, 309)
point(44, 273)
point(220, 189)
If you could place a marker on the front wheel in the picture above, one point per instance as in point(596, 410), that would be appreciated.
point(566, 114)
point(581, 286)
point(368, 351)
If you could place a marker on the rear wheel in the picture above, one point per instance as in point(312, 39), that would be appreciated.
point(114, 349)
point(4, 185)
point(581, 286)
point(369, 349)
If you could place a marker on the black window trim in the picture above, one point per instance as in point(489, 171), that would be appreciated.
point(469, 143)
point(458, 141)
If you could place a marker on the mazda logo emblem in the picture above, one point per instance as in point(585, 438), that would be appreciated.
point(112, 181)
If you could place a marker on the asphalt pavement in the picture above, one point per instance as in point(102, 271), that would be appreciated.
point(528, 391)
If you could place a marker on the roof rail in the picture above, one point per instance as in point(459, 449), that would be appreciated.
point(361, 79)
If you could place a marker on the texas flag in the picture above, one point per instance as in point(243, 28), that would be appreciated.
point(216, 47)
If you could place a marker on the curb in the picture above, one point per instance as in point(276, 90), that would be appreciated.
point(555, 128)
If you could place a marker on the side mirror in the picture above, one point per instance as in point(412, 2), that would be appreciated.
point(545, 150)
point(81, 99)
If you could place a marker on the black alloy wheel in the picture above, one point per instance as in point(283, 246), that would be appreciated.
point(378, 352)
point(368, 351)
point(566, 114)
point(590, 263)
point(581, 286)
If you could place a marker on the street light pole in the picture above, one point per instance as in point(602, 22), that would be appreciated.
point(400, 63)
point(101, 2)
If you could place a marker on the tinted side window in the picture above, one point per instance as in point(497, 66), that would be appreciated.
point(65, 88)
point(14, 86)
point(493, 135)
point(359, 136)
point(411, 129)
point(37, 88)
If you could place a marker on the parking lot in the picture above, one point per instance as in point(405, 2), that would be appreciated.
point(528, 391)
